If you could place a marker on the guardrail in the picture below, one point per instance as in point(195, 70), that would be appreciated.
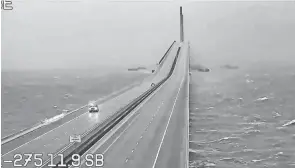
point(25, 131)
point(33, 128)
point(89, 138)
point(165, 55)
point(38, 125)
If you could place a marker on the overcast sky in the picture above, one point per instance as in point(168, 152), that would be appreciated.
point(60, 34)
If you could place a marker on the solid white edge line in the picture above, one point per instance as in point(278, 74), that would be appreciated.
point(109, 135)
point(155, 161)
point(100, 143)
point(21, 133)
point(49, 131)
point(126, 128)
point(70, 120)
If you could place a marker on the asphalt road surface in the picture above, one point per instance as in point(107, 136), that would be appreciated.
point(55, 139)
point(34, 132)
point(155, 134)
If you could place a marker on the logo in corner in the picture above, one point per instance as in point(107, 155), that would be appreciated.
point(6, 5)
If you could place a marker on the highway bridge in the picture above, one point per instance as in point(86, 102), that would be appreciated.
point(138, 126)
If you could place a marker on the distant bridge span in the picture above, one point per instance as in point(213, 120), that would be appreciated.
point(143, 126)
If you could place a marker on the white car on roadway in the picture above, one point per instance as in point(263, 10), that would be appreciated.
point(93, 107)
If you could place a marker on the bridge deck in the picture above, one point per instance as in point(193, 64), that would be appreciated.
point(155, 135)
point(56, 138)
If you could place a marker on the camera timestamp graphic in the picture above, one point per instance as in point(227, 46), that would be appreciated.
point(23, 160)
point(6, 5)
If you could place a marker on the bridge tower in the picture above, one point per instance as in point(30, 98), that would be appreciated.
point(181, 26)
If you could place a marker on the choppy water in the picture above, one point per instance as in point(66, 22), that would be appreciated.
point(237, 118)
point(30, 97)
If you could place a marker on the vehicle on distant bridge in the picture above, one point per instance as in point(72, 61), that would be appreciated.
point(93, 107)
point(153, 84)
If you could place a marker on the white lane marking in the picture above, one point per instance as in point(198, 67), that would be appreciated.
point(167, 123)
point(41, 135)
point(50, 131)
point(22, 132)
point(83, 161)
point(96, 148)
point(116, 129)
point(158, 109)
point(118, 136)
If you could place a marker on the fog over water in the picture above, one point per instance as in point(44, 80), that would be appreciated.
point(243, 32)
point(51, 34)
